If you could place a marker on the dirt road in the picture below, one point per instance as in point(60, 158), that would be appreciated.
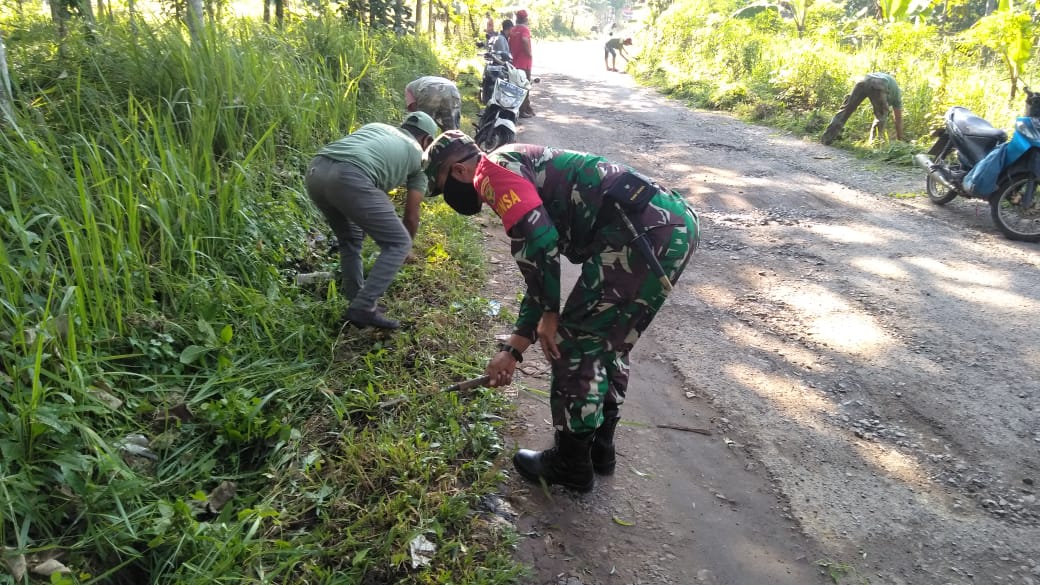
point(868, 367)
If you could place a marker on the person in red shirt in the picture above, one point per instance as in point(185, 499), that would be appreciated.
point(520, 47)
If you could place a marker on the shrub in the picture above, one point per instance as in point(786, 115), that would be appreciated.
point(728, 96)
point(757, 66)
point(154, 215)
point(807, 76)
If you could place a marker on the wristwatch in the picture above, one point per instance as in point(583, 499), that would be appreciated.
point(519, 357)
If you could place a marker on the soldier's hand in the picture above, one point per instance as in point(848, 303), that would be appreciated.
point(500, 369)
point(547, 327)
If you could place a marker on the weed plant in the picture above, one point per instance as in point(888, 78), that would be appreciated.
point(762, 69)
point(157, 357)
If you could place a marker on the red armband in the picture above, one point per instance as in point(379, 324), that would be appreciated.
point(509, 195)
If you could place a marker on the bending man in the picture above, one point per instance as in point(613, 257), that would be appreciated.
point(612, 49)
point(884, 94)
point(557, 203)
point(438, 97)
point(348, 182)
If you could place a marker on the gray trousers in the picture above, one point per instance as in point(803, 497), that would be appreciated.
point(354, 206)
point(869, 88)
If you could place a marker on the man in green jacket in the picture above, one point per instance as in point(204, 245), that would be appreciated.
point(884, 94)
point(348, 181)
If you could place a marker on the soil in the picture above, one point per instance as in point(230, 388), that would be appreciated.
point(867, 365)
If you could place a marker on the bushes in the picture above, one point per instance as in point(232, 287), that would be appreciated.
point(758, 66)
point(806, 75)
point(154, 216)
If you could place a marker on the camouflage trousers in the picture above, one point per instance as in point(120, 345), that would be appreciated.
point(613, 302)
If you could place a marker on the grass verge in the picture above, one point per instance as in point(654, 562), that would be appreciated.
point(174, 408)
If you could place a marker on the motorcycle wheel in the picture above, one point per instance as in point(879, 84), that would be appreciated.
point(1012, 219)
point(938, 193)
point(499, 136)
point(485, 126)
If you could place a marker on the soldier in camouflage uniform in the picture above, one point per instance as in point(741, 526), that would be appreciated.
point(556, 202)
point(436, 96)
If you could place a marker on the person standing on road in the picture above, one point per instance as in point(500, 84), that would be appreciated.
point(884, 94)
point(438, 97)
point(611, 50)
point(523, 58)
point(501, 42)
point(348, 181)
point(556, 203)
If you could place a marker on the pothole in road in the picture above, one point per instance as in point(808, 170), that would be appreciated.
point(713, 146)
point(758, 217)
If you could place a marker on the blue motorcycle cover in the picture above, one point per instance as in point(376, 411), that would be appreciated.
point(981, 180)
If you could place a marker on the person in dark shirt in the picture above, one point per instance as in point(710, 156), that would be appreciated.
point(612, 49)
point(500, 44)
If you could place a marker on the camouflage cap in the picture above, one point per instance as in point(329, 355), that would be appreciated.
point(421, 121)
point(447, 149)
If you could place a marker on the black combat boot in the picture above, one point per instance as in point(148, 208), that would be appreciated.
point(567, 464)
point(603, 459)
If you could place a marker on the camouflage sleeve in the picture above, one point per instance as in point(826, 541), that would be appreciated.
point(534, 246)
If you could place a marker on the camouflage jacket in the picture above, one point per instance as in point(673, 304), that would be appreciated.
point(566, 221)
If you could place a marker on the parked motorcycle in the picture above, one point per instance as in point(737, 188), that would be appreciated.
point(972, 159)
point(503, 89)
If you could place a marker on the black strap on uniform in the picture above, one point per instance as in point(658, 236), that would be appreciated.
point(641, 243)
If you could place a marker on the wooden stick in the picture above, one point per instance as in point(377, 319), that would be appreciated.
point(468, 384)
point(685, 429)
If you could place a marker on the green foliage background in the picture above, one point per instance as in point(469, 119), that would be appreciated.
point(153, 220)
point(762, 69)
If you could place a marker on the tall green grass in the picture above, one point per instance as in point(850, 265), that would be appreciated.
point(760, 68)
point(153, 216)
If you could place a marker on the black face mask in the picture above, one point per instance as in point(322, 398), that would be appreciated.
point(461, 196)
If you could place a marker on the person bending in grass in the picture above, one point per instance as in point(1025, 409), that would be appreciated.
point(438, 97)
point(884, 95)
point(611, 50)
point(348, 181)
point(632, 239)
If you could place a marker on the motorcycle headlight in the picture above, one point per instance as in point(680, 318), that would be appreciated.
point(1027, 128)
point(509, 95)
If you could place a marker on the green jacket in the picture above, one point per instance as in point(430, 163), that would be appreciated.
point(895, 96)
point(389, 156)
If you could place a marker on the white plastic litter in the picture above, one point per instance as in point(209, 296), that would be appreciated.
point(422, 551)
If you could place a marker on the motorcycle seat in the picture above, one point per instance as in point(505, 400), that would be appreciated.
point(974, 126)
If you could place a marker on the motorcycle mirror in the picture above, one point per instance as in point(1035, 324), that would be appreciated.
point(1032, 102)
point(536, 80)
